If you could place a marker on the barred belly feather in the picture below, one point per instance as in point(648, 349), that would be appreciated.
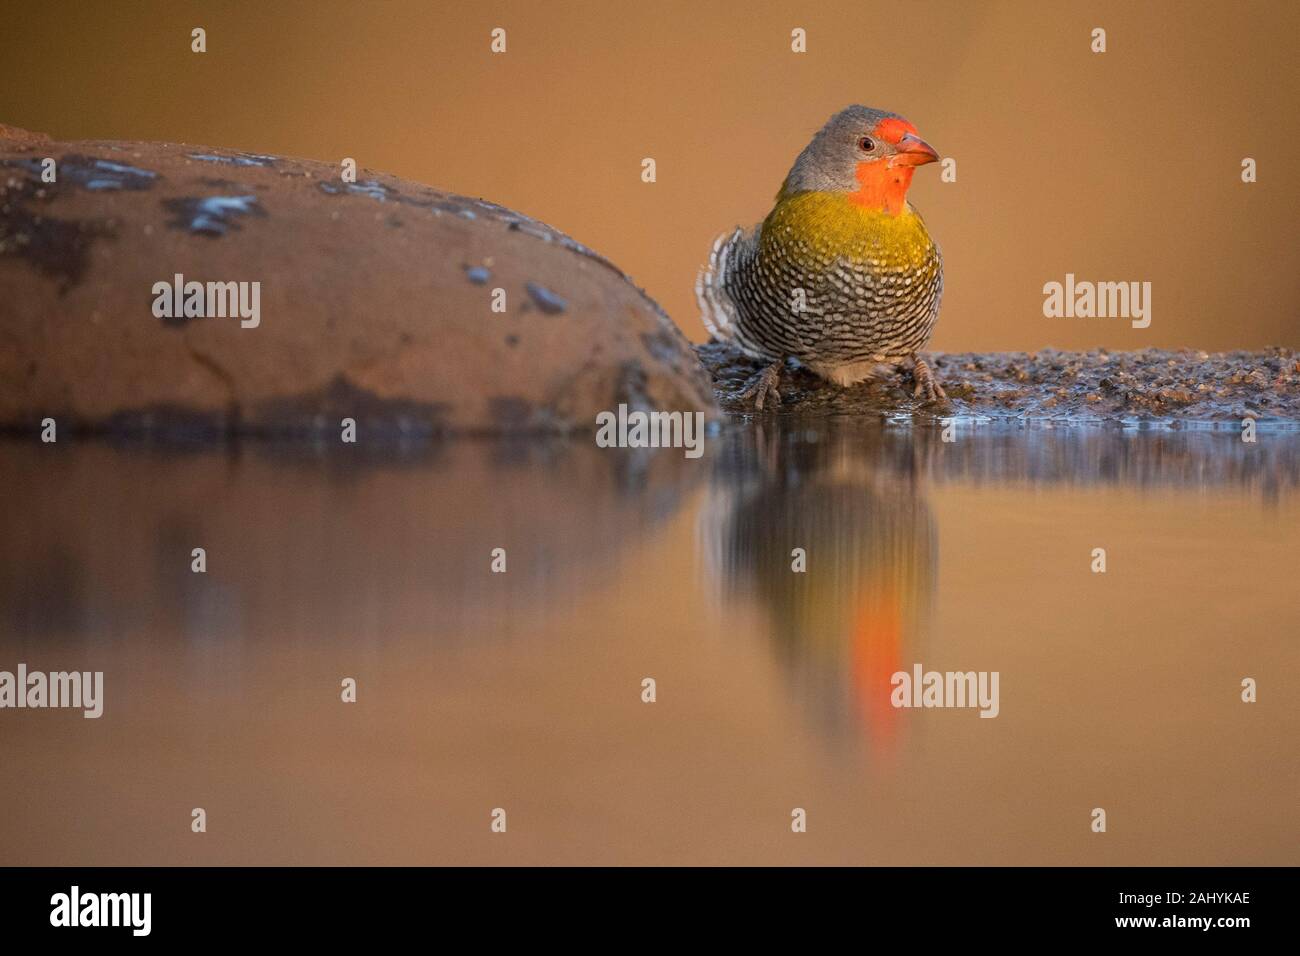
point(839, 287)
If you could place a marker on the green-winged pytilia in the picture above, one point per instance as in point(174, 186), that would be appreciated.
point(842, 274)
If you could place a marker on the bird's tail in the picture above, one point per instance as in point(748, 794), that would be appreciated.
point(717, 310)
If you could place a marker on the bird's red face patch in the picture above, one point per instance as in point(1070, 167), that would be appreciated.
point(892, 130)
point(883, 185)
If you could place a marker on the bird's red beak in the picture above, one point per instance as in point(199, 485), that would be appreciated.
point(913, 151)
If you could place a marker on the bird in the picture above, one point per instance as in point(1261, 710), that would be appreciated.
point(842, 275)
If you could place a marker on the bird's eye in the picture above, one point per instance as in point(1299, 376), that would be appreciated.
point(866, 145)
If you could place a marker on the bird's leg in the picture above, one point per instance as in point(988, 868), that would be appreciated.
point(764, 385)
point(926, 387)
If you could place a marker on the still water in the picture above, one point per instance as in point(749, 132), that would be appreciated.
point(523, 690)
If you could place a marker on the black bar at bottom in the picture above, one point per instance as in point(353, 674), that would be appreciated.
point(215, 905)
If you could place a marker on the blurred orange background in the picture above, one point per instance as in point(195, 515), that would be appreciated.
point(1117, 166)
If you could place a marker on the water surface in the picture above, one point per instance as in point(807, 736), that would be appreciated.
point(522, 690)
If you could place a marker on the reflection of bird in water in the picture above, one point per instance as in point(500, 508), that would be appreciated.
point(850, 620)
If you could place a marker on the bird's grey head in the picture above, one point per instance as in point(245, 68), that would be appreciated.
point(853, 136)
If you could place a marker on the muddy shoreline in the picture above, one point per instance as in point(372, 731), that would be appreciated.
point(1153, 387)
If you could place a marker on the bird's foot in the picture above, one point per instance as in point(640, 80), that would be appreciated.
point(927, 389)
point(763, 387)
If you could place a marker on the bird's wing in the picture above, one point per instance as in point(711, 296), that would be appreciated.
point(730, 254)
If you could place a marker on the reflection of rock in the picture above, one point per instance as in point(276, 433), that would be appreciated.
point(1162, 458)
point(375, 299)
point(852, 619)
point(1149, 386)
point(316, 543)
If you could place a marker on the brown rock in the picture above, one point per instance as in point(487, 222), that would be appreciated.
point(375, 302)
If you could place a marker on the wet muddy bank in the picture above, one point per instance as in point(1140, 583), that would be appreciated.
point(1156, 387)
